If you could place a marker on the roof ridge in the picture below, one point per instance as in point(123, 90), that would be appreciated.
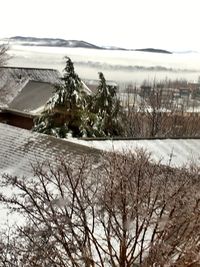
point(30, 68)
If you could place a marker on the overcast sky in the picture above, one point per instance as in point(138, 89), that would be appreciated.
point(165, 24)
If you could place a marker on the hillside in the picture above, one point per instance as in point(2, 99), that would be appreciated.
point(153, 50)
point(57, 42)
point(34, 41)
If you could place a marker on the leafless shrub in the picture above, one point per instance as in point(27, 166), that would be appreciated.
point(3, 54)
point(160, 115)
point(126, 212)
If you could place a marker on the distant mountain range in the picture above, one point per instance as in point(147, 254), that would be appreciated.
point(56, 42)
point(153, 50)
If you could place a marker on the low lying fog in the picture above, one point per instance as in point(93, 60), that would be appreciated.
point(120, 66)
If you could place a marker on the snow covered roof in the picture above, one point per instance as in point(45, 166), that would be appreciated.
point(14, 79)
point(33, 96)
point(20, 148)
point(93, 84)
point(176, 152)
point(28, 89)
point(36, 74)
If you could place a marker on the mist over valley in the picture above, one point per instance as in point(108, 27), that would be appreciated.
point(126, 66)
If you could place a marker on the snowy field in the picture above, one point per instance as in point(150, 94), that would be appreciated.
point(120, 66)
point(176, 152)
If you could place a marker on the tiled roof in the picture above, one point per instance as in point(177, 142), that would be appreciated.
point(32, 96)
point(35, 74)
point(14, 79)
point(20, 148)
point(28, 89)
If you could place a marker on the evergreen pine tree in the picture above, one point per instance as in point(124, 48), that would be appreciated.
point(63, 111)
point(70, 110)
point(107, 108)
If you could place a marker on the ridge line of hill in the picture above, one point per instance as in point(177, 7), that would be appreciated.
point(58, 42)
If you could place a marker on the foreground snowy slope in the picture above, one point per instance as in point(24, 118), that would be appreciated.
point(175, 152)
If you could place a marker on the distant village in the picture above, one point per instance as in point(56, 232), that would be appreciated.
point(25, 91)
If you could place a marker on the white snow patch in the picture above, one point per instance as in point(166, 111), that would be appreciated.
point(176, 152)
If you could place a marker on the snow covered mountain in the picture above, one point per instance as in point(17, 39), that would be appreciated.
point(51, 42)
point(57, 42)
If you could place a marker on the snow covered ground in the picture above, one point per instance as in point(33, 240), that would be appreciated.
point(176, 152)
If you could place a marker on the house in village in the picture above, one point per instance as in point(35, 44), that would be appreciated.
point(92, 85)
point(195, 90)
point(145, 91)
point(24, 92)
